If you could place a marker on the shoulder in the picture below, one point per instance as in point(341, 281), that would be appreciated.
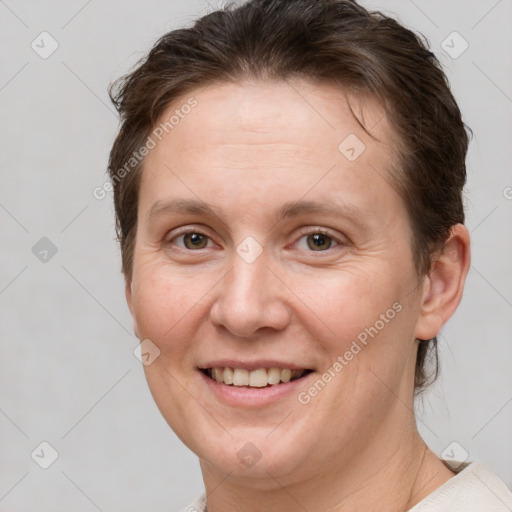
point(474, 488)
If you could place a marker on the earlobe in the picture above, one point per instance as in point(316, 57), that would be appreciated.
point(129, 301)
point(444, 284)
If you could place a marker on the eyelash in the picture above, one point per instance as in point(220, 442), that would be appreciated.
point(302, 234)
point(186, 232)
point(321, 231)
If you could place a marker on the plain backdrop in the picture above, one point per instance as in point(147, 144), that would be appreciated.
point(68, 375)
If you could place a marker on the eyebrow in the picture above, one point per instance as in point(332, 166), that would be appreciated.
point(181, 206)
point(327, 207)
point(288, 210)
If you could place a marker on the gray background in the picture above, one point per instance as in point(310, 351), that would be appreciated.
point(68, 375)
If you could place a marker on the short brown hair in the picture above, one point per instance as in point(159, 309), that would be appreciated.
point(335, 41)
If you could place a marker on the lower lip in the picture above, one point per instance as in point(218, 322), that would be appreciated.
point(247, 397)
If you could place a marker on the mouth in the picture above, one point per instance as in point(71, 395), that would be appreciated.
point(257, 378)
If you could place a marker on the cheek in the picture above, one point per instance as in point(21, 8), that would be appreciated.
point(346, 302)
point(364, 324)
point(164, 304)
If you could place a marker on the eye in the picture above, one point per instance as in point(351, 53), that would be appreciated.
point(318, 241)
point(191, 240)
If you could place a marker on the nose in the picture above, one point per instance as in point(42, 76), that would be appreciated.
point(251, 299)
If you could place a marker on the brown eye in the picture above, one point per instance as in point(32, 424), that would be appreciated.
point(195, 240)
point(319, 242)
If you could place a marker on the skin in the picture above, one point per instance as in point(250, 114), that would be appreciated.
point(247, 149)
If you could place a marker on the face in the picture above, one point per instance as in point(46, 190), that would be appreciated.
point(268, 241)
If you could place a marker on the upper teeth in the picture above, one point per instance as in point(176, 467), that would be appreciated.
point(256, 378)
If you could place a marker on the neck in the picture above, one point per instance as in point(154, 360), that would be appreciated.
point(392, 477)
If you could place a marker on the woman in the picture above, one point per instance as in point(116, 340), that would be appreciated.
point(288, 189)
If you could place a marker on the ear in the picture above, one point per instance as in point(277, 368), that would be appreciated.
point(129, 301)
point(443, 285)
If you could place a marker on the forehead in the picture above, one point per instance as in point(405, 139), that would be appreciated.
point(272, 111)
point(262, 133)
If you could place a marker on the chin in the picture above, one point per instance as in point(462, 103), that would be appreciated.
point(253, 454)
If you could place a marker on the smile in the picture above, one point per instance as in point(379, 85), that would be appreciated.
point(257, 378)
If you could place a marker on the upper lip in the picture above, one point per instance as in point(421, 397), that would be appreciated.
point(252, 365)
